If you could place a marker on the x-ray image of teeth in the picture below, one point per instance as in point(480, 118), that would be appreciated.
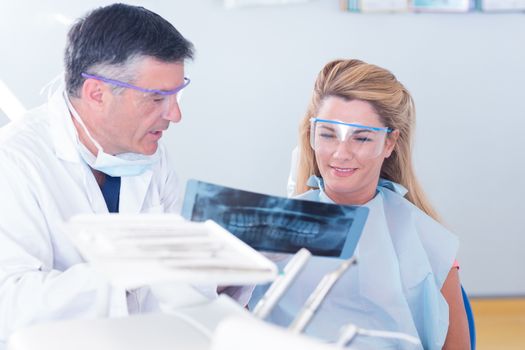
point(277, 224)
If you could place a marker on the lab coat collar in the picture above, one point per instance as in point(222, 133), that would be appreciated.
point(133, 191)
point(63, 132)
point(65, 138)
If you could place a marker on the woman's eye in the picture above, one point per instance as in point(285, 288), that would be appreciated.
point(363, 139)
point(326, 135)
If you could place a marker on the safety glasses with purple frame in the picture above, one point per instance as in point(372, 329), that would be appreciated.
point(153, 97)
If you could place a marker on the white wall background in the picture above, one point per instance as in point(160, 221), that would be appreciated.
point(252, 78)
point(3, 118)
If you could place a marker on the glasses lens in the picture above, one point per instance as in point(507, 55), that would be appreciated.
point(163, 104)
point(361, 142)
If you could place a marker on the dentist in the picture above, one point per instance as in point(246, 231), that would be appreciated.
point(93, 148)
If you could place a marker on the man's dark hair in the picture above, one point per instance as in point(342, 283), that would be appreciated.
point(113, 34)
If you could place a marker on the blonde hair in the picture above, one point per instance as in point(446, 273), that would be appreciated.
point(357, 80)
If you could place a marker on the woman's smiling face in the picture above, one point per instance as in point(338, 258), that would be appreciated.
point(349, 178)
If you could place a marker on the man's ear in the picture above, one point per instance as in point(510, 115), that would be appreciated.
point(390, 142)
point(94, 93)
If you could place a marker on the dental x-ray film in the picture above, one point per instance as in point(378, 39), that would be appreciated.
point(277, 224)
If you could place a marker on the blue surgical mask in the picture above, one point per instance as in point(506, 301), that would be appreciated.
point(124, 164)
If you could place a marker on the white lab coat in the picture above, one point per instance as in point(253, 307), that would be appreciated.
point(43, 182)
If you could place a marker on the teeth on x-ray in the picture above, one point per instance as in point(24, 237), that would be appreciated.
point(273, 219)
point(272, 223)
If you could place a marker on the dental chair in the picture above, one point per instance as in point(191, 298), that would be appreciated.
point(470, 317)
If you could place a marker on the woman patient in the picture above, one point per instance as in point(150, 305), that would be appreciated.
point(356, 149)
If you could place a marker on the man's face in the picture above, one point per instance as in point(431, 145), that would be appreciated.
point(134, 121)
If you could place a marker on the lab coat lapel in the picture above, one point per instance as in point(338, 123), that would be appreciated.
point(98, 204)
point(64, 138)
point(133, 191)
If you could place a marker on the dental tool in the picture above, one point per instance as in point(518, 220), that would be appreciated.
point(318, 296)
point(281, 284)
point(350, 331)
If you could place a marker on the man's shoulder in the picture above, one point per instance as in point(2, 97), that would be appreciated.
point(29, 133)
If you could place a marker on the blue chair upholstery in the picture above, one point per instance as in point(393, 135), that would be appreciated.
point(470, 317)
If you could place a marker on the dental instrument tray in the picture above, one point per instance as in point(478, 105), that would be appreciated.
point(142, 249)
